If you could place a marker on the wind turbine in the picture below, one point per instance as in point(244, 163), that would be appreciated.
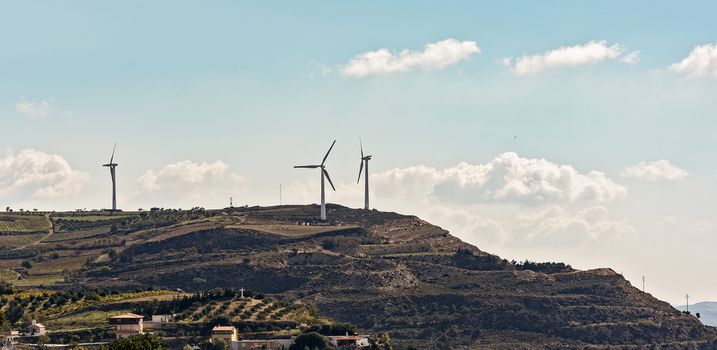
point(112, 172)
point(364, 159)
point(324, 173)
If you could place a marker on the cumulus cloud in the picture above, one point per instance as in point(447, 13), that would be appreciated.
point(187, 181)
point(434, 56)
point(556, 224)
point(700, 228)
point(40, 175)
point(654, 170)
point(631, 58)
point(589, 53)
point(181, 174)
point(507, 178)
point(702, 61)
point(34, 109)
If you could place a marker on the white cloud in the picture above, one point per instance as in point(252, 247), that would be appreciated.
point(34, 109)
point(182, 175)
point(554, 223)
point(589, 53)
point(507, 178)
point(700, 228)
point(702, 61)
point(188, 182)
point(631, 58)
point(38, 174)
point(654, 170)
point(434, 56)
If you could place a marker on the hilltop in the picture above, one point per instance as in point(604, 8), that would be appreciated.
point(706, 309)
point(384, 272)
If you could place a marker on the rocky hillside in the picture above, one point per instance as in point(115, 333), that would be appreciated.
point(384, 272)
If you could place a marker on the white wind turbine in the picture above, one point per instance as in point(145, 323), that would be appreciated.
point(364, 159)
point(324, 173)
point(112, 166)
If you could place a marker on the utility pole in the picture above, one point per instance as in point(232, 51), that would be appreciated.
point(279, 193)
point(687, 297)
point(231, 203)
point(643, 284)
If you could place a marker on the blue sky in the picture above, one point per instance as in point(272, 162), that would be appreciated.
point(219, 99)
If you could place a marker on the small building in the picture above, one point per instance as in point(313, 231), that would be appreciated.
point(225, 333)
point(162, 318)
point(127, 325)
point(36, 329)
point(349, 341)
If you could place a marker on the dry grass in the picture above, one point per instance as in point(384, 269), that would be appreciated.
point(38, 281)
point(10, 223)
point(19, 240)
point(290, 230)
point(59, 265)
point(90, 217)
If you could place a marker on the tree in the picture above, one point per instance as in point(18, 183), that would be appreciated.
point(219, 344)
point(4, 322)
point(311, 340)
point(27, 264)
point(137, 342)
point(219, 320)
point(329, 244)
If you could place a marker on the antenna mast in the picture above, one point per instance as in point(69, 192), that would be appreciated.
point(687, 297)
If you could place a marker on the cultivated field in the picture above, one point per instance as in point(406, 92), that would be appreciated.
point(15, 223)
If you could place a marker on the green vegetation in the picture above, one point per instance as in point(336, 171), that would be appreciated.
point(137, 342)
point(311, 340)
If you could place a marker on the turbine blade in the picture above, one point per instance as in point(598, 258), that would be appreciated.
point(361, 144)
point(307, 166)
point(328, 178)
point(113, 153)
point(360, 170)
point(327, 153)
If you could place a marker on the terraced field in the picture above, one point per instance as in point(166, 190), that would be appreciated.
point(247, 309)
point(291, 230)
point(16, 223)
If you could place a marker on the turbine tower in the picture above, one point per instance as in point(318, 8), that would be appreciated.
point(112, 166)
point(324, 173)
point(364, 159)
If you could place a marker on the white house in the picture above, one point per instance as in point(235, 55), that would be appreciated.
point(226, 333)
point(349, 341)
point(36, 329)
point(127, 325)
